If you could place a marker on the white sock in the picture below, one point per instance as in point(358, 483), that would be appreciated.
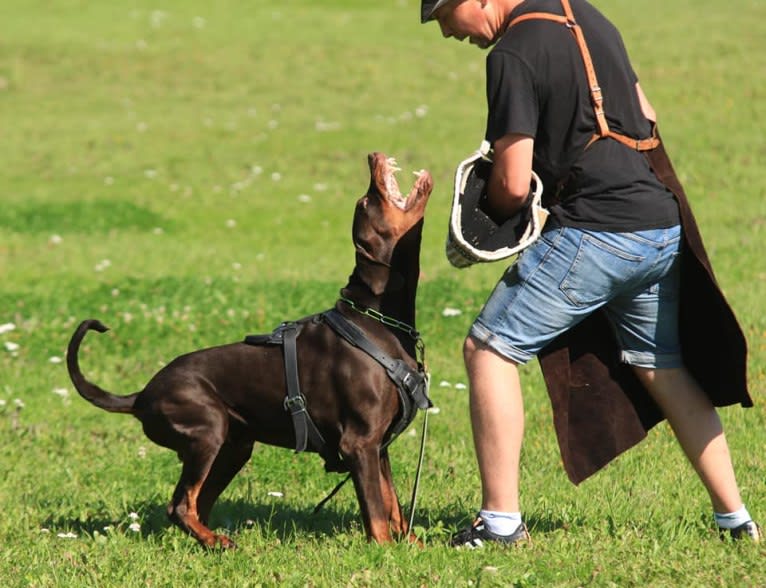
point(500, 523)
point(732, 520)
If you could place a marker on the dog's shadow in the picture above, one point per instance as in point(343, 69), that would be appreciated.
point(229, 516)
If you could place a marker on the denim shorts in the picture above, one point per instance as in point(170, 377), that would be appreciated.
point(569, 273)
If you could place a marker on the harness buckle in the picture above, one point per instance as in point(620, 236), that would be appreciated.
point(295, 404)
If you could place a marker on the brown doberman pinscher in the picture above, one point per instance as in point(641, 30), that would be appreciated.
point(210, 406)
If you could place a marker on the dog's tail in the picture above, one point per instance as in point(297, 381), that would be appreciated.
point(87, 390)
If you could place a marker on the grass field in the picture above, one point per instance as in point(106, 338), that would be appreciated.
point(186, 172)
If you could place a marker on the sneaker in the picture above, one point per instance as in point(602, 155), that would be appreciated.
point(477, 534)
point(749, 530)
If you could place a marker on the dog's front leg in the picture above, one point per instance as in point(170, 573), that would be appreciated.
point(398, 523)
point(364, 463)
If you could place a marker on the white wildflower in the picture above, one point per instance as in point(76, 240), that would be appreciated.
point(135, 527)
point(7, 328)
point(276, 176)
point(451, 312)
point(108, 180)
point(304, 198)
point(231, 223)
point(198, 22)
point(11, 346)
point(133, 516)
point(55, 240)
point(62, 392)
point(276, 494)
point(445, 384)
point(55, 359)
point(102, 265)
point(68, 535)
point(434, 410)
point(460, 386)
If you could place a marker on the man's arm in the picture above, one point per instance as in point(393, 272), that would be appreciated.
point(511, 175)
point(646, 106)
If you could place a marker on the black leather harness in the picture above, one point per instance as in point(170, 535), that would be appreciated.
point(411, 384)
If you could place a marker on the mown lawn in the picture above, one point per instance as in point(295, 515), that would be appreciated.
point(186, 173)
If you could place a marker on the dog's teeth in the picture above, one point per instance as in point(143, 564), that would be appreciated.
point(419, 172)
point(393, 164)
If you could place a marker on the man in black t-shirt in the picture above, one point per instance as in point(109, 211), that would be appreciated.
point(613, 242)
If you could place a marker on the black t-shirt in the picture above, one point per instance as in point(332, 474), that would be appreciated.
point(537, 86)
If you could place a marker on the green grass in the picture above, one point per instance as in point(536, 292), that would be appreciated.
point(187, 172)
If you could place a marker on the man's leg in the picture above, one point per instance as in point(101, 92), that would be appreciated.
point(497, 420)
point(696, 424)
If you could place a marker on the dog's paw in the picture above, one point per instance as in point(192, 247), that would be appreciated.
point(221, 542)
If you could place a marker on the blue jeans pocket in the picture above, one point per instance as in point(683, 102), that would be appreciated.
point(598, 269)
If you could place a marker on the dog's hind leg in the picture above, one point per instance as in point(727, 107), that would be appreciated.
point(197, 460)
point(230, 459)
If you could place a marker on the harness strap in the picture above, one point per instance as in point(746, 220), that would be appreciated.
point(410, 383)
point(596, 95)
point(295, 403)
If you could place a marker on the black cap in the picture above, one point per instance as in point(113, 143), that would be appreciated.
point(428, 7)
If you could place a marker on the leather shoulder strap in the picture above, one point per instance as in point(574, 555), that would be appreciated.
point(596, 95)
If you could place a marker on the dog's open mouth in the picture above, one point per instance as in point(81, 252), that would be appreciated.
point(384, 170)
